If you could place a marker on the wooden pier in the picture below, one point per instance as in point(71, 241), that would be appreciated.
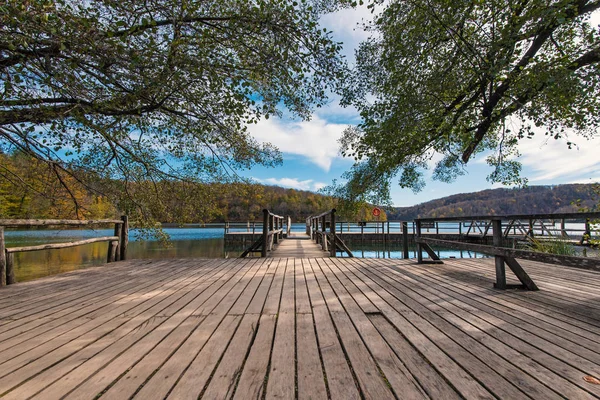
point(300, 328)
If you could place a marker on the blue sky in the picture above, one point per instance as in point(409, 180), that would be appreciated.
point(312, 160)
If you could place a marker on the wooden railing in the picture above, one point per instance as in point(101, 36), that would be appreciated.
point(117, 248)
point(272, 233)
point(507, 256)
point(316, 227)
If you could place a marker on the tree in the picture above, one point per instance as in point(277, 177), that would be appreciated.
point(130, 91)
point(453, 78)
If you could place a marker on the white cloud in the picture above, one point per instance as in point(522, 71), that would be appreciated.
point(346, 25)
point(316, 139)
point(294, 183)
point(552, 160)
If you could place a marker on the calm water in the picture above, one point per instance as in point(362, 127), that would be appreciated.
point(186, 242)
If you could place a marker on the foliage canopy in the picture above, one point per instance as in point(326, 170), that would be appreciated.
point(454, 78)
point(128, 91)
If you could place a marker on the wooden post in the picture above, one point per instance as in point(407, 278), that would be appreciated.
point(332, 250)
point(324, 234)
point(113, 249)
point(418, 234)
point(437, 228)
point(10, 268)
point(124, 240)
point(2, 258)
point(530, 233)
point(500, 267)
point(459, 228)
point(563, 231)
point(265, 235)
point(362, 237)
point(405, 239)
point(117, 233)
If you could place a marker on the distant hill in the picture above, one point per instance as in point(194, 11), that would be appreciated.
point(529, 200)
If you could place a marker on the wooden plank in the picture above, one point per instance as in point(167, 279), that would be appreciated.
point(429, 379)
point(551, 332)
point(225, 378)
point(302, 301)
point(398, 376)
point(194, 329)
point(252, 379)
point(464, 320)
point(104, 366)
point(146, 314)
point(281, 381)
point(398, 314)
point(47, 351)
point(340, 381)
point(311, 383)
point(30, 296)
point(529, 344)
point(63, 315)
point(529, 307)
point(372, 385)
point(192, 382)
point(503, 365)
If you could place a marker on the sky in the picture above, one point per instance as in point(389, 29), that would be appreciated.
point(311, 156)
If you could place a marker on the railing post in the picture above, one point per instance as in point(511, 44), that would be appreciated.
point(117, 233)
point(323, 234)
point(10, 268)
point(417, 226)
point(124, 240)
point(500, 267)
point(112, 251)
point(274, 223)
point(405, 239)
point(2, 258)
point(563, 232)
point(332, 250)
point(263, 252)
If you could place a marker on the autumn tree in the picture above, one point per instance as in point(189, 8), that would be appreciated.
point(462, 77)
point(135, 92)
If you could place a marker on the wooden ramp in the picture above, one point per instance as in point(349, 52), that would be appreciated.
point(298, 245)
point(300, 328)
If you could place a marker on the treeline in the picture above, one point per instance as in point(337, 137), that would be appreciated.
point(528, 200)
point(32, 189)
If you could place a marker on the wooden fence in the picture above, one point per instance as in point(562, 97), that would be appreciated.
point(117, 244)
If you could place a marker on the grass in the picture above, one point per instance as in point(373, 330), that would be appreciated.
point(551, 246)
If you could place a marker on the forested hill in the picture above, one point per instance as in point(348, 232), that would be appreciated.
point(529, 200)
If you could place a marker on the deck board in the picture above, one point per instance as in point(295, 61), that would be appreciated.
point(299, 328)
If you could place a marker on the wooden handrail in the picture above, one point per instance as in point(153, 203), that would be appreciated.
point(49, 222)
point(582, 216)
point(117, 248)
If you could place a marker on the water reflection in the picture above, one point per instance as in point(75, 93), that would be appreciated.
point(186, 243)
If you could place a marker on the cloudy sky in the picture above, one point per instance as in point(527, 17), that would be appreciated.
point(312, 160)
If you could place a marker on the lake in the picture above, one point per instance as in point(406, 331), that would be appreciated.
point(186, 242)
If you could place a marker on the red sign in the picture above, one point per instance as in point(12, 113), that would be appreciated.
point(376, 212)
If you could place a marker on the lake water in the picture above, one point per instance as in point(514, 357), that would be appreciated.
point(186, 242)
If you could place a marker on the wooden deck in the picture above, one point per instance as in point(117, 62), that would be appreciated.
point(298, 245)
point(300, 328)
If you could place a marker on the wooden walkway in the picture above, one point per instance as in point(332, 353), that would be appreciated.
point(298, 245)
point(300, 328)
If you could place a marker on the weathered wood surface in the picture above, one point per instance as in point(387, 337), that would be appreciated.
point(62, 245)
point(298, 245)
point(51, 222)
point(298, 329)
point(591, 263)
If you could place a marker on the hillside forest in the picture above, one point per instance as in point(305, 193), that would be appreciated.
point(40, 193)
